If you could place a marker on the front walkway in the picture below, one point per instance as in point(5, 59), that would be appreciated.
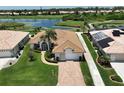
point(119, 68)
point(44, 61)
point(91, 64)
point(70, 74)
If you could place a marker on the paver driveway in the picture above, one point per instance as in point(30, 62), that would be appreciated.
point(70, 74)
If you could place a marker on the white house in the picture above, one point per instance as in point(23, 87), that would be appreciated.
point(111, 42)
point(66, 47)
point(11, 42)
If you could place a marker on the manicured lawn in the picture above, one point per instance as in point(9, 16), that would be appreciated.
point(29, 73)
point(69, 23)
point(86, 73)
point(33, 17)
point(105, 73)
point(109, 24)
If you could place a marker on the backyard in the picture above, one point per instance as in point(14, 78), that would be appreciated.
point(31, 73)
point(105, 73)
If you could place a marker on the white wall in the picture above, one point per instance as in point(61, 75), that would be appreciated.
point(6, 53)
point(117, 57)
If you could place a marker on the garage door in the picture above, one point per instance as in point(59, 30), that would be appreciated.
point(69, 55)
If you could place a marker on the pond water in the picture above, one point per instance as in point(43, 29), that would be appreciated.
point(49, 23)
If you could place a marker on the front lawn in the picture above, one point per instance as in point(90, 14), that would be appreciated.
point(69, 23)
point(105, 73)
point(86, 73)
point(29, 73)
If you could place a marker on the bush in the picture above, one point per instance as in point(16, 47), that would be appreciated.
point(116, 78)
point(32, 35)
point(37, 50)
point(104, 61)
point(78, 30)
point(48, 55)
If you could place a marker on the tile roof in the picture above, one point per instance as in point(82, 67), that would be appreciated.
point(65, 39)
point(36, 38)
point(9, 39)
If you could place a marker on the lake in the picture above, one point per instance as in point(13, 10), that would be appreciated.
point(49, 23)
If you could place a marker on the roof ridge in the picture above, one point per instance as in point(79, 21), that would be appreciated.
point(65, 42)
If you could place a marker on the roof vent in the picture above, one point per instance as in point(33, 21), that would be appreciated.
point(116, 33)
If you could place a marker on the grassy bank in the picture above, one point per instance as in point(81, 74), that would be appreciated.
point(108, 24)
point(105, 73)
point(33, 17)
point(29, 73)
point(86, 73)
point(69, 23)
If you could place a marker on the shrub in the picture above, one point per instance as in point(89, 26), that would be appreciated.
point(104, 60)
point(116, 78)
point(48, 55)
point(31, 57)
point(37, 50)
point(78, 30)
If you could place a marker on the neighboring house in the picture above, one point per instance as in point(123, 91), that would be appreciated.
point(111, 42)
point(66, 47)
point(11, 42)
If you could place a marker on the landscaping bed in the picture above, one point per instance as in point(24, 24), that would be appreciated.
point(105, 73)
point(116, 78)
point(29, 73)
point(49, 57)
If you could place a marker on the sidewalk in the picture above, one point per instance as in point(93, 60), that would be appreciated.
point(44, 61)
point(91, 64)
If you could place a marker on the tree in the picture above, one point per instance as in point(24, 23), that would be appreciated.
point(31, 57)
point(50, 35)
point(37, 29)
point(84, 26)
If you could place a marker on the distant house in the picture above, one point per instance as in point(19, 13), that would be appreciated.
point(111, 42)
point(11, 42)
point(66, 47)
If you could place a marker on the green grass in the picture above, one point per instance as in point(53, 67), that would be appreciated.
point(86, 73)
point(33, 17)
point(69, 23)
point(29, 73)
point(105, 73)
point(110, 24)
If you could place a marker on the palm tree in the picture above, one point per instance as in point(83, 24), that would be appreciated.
point(84, 26)
point(50, 35)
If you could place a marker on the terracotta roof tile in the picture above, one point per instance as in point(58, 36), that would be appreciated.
point(9, 39)
point(65, 38)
